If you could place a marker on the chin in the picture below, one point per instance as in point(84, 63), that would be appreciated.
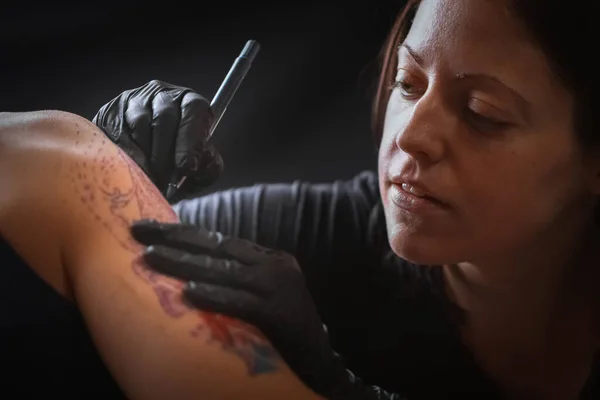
point(425, 249)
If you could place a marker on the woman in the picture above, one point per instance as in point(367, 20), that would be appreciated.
point(475, 270)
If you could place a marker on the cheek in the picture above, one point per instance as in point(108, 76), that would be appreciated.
point(514, 202)
point(504, 200)
point(394, 123)
point(389, 152)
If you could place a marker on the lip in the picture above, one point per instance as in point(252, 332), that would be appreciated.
point(425, 203)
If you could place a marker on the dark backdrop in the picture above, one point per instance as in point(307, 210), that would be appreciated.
point(303, 111)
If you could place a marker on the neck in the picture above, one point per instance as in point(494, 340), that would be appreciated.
point(544, 279)
point(537, 308)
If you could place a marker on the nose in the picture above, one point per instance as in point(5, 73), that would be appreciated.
point(422, 135)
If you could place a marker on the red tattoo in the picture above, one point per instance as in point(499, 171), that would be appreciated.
point(245, 341)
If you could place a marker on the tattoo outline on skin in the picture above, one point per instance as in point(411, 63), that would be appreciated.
point(234, 336)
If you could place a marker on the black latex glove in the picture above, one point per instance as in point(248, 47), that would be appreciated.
point(263, 287)
point(163, 128)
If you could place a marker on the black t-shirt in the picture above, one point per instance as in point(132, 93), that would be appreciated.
point(387, 318)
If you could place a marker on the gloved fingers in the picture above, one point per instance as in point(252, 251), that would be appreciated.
point(137, 107)
point(101, 112)
point(185, 237)
point(196, 120)
point(197, 240)
point(233, 303)
point(249, 252)
point(138, 119)
point(153, 87)
point(199, 267)
point(195, 159)
point(108, 118)
point(165, 119)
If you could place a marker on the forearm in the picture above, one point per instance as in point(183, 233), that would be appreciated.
point(322, 225)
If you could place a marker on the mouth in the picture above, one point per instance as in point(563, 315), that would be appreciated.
point(414, 198)
point(414, 190)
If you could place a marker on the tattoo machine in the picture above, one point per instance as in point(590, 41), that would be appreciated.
point(223, 97)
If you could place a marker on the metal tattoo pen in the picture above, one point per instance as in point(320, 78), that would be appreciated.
point(223, 97)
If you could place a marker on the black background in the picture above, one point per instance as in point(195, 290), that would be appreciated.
point(303, 111)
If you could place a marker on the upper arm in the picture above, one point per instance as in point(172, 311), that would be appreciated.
point(155, 346)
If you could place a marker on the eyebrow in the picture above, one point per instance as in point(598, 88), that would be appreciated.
point(418, 59)
point(522, 103)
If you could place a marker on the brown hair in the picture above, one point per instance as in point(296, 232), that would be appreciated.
point(389, 64)
point(566, 33)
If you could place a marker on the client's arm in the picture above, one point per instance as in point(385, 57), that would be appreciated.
point(67, 201)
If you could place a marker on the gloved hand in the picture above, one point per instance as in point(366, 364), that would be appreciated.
point(260, 286)
point(164, 129)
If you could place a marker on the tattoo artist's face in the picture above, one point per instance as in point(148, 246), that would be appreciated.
point(478, 157)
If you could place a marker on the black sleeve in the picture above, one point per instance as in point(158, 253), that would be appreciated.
point(304, 219)
point(325, 226)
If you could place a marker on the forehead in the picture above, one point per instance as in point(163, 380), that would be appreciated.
point(481, 37)
point(478, 30)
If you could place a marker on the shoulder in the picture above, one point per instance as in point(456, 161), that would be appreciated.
point(15, 127)
point(45, 155)
point(34, 149)
point(62, 180)
point(36, 139)
point(58, 156)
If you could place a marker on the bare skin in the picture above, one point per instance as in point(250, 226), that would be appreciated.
point(480, 122)
point(67, 202)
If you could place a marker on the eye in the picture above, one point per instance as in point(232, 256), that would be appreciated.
point(481, 115)
point(484, 122)
point(405, 88)
point(408, 85)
